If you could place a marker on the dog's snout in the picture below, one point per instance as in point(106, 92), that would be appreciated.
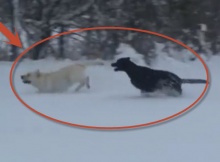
point(113, 64)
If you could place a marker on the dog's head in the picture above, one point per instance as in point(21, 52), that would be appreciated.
point(121, 64)
point(28, 78)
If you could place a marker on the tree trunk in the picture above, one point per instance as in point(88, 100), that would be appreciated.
point(14, 49)
point(61, 43)
point(38, 49)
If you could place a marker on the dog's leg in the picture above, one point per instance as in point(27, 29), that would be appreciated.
point(147, 93)
point(176, 90)
point(83, 83)
point(79, 86)
point(172, 91)
point(144, 93)
point(87, 82)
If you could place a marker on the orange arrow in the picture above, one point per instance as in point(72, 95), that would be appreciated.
point(13, 39)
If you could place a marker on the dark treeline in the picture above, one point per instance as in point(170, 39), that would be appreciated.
point(194, 22)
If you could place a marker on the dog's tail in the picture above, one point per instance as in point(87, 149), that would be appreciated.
point(194, 81)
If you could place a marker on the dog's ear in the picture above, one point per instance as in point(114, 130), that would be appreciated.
point(128, 58)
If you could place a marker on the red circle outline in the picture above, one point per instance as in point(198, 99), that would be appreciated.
point(111, 127)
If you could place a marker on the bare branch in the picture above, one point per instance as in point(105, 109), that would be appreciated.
point(78, 12)
point(48, 12)
point(34, 22)
point(64, 22)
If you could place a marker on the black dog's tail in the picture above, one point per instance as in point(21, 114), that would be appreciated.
point(195, 81)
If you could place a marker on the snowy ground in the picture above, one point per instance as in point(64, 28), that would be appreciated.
point(112, 101)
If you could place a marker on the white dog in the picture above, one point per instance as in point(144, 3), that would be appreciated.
point(61, 80)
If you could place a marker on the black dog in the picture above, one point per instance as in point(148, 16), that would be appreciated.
point(149, 80)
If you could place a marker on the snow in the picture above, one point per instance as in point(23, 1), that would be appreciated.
point(111, 101)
